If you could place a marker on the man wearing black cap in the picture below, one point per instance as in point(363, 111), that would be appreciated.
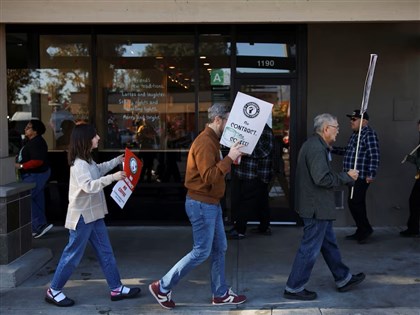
point(367, 165)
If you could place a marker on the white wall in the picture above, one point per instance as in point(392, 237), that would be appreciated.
point(338, 57)
point(203, 11)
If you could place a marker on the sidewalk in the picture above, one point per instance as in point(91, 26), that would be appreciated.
point(257, 266)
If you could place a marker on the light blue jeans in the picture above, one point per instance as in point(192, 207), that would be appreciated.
point(37, 198)
point(209, 240)
point(97, 234)
point(318, 236)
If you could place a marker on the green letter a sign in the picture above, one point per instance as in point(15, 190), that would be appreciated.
point(219, 77)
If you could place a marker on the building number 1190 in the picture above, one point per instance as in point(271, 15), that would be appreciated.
point(266, 63)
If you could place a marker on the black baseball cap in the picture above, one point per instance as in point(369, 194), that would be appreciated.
point(356, 114)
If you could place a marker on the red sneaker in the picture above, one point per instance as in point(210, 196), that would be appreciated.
point(229, 298)
point(164, 299)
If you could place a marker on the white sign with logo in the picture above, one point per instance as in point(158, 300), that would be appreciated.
point(246, 122)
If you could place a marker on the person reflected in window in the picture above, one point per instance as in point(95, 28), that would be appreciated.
point(113, 139)
point(15, 138)
point(147, 139)
point(58, 115)
point(66, 129)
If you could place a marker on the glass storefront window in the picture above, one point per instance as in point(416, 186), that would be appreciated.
point(57, 92)
point(214, 73)
point(63, 85)
point(19, 105)
point(146, 88)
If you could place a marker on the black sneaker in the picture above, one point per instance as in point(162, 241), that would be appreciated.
point(261, 232)
point(234, 235)
point(304, 295)
point(362, 237)
point(44, 229)
point(352, 236)
point(355, 280)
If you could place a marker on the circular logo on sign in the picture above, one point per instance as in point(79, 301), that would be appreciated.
point(133, 165)
point(251, 110)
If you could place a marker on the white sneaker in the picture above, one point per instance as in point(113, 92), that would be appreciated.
point(44, 229)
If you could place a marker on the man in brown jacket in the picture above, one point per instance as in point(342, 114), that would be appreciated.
point(205, 181)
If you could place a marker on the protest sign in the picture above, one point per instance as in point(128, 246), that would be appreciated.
point(246, 122)
point(364, 106)
point(123, 188)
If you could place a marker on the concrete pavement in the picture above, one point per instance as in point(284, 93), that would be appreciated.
point(257, 266)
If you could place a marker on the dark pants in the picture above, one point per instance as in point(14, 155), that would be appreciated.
point(318, 236)
point(414, 202)
point(357, 206)
point(249, 197)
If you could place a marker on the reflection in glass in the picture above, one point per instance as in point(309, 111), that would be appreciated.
point(57, 92)
point(63, 85)
point(214, 73)
point(147, 91)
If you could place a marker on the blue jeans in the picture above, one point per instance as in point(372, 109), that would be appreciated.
point(318, 236)
point(209, 240)
point(37, 197)
point(97, 234)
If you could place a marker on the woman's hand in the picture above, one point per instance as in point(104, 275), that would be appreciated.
point(119, 175)
point(121, 158)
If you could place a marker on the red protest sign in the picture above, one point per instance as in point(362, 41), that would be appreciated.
point(132, 167)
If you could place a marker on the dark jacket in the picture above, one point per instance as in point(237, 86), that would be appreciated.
point(315, 180)
point(34, 156)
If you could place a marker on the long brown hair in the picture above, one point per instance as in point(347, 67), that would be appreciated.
point(81, 143)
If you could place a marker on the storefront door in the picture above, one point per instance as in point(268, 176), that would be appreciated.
point(278, 92)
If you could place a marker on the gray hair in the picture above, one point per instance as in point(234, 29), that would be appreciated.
point(217, 109)
point(323, 119)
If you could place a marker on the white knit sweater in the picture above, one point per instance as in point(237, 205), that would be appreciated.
point(86, 195)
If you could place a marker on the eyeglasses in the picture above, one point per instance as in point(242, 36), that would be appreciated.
point(354, 119)
point(336, 127)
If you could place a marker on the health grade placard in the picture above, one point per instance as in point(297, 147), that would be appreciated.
point(124, 187)
point(246, 122)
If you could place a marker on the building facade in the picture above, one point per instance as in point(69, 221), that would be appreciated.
point(145, 73)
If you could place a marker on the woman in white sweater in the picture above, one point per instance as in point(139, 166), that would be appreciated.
point(85, 217)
